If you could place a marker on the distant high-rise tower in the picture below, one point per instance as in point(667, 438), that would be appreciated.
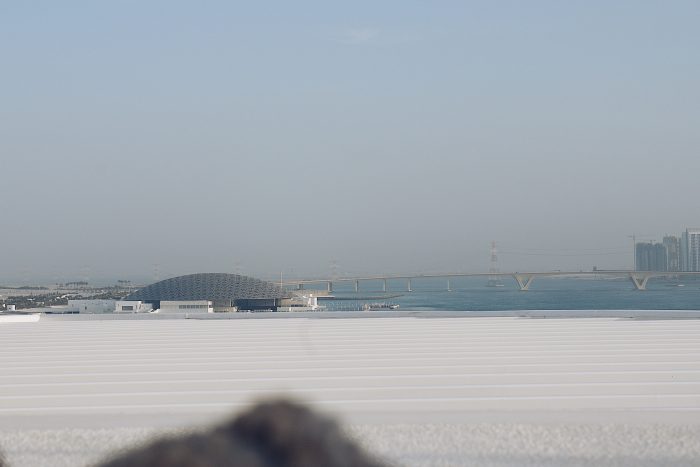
point(690, 250)
point(494, 278)
point(651, 256)
point(673, 252)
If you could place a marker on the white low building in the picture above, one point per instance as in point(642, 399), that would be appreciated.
point(132, 306)
point(186, 306)
point(91, 306)
point(301, 303)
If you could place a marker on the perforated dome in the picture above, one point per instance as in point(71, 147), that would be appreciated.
point(210, 286)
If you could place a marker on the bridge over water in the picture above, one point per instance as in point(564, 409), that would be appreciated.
point(523, 279)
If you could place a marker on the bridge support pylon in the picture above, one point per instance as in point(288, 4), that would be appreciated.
point(524, 281)
point(330, 286)
point(384, 286)
point(408, 286)
point(357, 286)
point(449, 287)
point(640, 280)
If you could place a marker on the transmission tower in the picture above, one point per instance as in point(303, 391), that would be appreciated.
point(494, 278)
point(335, 269)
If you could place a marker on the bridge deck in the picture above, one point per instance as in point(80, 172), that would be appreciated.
point(524, 279)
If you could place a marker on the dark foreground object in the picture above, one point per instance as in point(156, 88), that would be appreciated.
point(276, 433)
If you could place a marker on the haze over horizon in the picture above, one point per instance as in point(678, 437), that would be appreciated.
point(385, 136)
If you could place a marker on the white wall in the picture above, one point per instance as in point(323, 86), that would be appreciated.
point(189, 306)
point(132, 306)
point(92, 306)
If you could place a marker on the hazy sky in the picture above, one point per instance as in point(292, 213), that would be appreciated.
point(389, 136)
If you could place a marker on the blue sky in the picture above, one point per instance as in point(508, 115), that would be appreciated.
point(389, 136)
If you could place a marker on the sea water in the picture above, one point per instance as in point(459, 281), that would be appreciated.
point(473, 294)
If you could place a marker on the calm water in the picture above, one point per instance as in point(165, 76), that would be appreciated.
point(544, 294)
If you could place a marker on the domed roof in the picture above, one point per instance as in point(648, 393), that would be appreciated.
point(209, 286)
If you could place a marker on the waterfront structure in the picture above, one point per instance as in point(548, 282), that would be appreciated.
point(301, 302)
point(226, 292)
point(651, 257)
point(673, 252)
